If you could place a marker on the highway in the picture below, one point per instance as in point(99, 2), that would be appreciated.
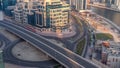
point(10, 58)
point(60, 54)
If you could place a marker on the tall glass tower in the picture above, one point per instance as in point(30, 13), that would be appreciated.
point(80, 4)
point(7, 3)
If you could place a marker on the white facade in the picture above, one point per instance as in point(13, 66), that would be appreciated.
point(118, 4)
point(112, 54)
point(113, 61)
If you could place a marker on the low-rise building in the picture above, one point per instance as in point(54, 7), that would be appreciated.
point(111, 54)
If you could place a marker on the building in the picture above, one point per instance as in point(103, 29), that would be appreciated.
point(7, 3)
point(57, 14)
point(117, 2)
point(79, 4)
point(43, 13)
point(8, 6)
point(111, 54)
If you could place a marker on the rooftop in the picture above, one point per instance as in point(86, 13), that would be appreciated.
point(113, 49)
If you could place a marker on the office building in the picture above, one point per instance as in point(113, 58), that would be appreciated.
point(43, 13)
point(8, 6)
point(7, 3)
point(79, 4)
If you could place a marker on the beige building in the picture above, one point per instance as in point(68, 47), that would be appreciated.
point(47, 13)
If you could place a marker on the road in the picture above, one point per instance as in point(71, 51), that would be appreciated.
point(72, 44)
point(7, 46)
point(4, 40)
point(60, 54)
point(86, 33)
point(10, 58)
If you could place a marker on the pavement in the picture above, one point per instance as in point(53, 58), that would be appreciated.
point(64, 34)
point(34, 41)
point(57, 42)
point(4, 41)
point(29, 53)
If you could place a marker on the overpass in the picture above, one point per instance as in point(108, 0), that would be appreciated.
point(62, 55)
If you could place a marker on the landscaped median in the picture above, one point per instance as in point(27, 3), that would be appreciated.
point(80, 47)
point(104, 36)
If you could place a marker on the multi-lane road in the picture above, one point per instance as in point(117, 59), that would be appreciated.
point(60, 54)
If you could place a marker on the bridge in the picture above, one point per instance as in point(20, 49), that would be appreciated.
point(62, 55)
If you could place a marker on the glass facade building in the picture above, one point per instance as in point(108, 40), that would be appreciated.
point(7, 3)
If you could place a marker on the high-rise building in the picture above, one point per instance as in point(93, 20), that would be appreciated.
point(43, 13)
point(117, 2)
point(79, 4)
point(8, 6)
point(7, 3)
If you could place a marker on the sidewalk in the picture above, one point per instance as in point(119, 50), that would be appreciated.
point(67, 33)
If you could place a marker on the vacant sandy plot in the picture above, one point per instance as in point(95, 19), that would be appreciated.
point(25, 51)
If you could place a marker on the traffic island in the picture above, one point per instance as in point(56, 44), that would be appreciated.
point(80, 47)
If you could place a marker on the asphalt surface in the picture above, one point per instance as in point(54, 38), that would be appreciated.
point(8, 57)
point(68, 42)
point(53, 50)
point(64, 60)
point(4, 40)
point(63, 40)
